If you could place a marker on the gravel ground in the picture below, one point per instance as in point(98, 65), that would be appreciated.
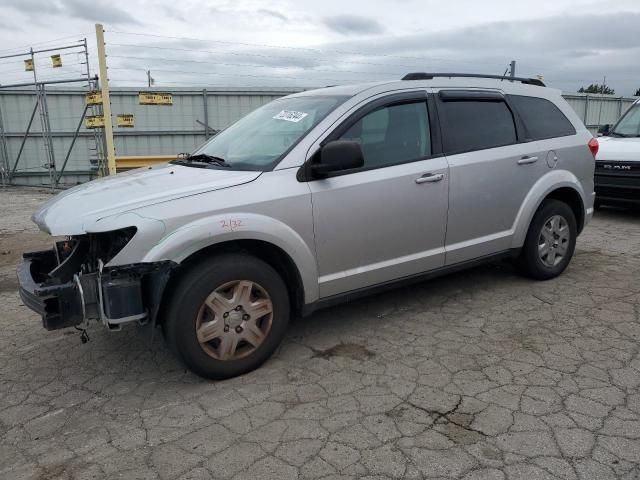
point(478, 375)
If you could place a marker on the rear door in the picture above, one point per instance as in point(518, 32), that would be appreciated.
point(554, 135)
point(492, 168)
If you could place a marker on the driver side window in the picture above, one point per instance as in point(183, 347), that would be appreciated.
point(393, 134)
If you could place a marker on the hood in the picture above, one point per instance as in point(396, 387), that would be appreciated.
point(73, 211)
point(619, 149)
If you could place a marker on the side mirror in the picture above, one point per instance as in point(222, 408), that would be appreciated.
point(604, 129)
point(337, 156)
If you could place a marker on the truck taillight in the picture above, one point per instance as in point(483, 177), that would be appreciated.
point(593, 146)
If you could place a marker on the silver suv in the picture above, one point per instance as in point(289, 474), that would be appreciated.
point(314, 199)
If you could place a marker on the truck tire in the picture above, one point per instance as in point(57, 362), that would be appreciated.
point(227, 315)
point(550, 241)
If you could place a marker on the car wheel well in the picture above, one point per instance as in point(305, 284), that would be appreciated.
point(572, 198)
point(265, 251)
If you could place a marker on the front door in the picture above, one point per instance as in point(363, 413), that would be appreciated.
point(386, 220)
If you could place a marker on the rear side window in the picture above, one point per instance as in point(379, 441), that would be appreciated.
point(475, 125)
point(542, 119)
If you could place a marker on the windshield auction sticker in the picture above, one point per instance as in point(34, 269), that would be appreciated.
point(290, 116)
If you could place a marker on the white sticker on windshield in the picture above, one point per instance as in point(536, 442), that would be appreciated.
point(290, 116)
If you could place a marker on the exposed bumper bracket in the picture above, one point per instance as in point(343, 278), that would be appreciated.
point(113, 295)
point(60, 305)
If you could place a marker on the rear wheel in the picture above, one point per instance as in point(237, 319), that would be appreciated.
point(550, 241)
point(227, 316)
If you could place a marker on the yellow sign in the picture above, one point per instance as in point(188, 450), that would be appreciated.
point(56, 61)
point(155, 98)
point(94, 121)
point(126, 120)
point(28, 65)
point(94, 98)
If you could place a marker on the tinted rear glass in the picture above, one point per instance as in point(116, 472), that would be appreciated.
point(542, 118)
point(472, 125)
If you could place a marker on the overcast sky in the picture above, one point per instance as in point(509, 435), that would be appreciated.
point(305, 43)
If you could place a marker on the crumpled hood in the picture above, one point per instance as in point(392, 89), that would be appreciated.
point(619, 149)
point(74, 211)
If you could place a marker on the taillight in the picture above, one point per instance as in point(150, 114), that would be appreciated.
point(593, 146)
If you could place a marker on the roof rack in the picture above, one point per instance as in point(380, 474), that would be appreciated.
point(431, 76)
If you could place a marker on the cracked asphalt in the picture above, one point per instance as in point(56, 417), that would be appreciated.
point(478, 375)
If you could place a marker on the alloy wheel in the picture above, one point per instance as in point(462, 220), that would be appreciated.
point(553, 241)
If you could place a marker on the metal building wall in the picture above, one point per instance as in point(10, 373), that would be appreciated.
point(158, 129)
point(596, 110)
point(169, 129)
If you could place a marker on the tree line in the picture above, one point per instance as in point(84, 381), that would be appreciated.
point(604, 89)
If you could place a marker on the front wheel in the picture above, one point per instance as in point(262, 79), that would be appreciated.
point(227, 316)
point(550, 242)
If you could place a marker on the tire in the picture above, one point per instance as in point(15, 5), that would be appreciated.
point(234, 332)
point(533, 261)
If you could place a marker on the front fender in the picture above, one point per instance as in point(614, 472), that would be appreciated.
point(205, 232)
point(553, 180)
point(148, 231)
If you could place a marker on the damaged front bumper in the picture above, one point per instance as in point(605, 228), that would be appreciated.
point(111, 295)
point(59, 305)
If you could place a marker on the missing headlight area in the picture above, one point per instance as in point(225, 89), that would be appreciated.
point(106, 245)
point(71, 285)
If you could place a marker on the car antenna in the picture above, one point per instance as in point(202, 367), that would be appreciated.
point(504, 75)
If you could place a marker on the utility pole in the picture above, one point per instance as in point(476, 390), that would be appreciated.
point(106, 101)
point(512, 69)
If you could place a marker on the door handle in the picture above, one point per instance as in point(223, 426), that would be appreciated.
point(430, 178)
point(527, 159)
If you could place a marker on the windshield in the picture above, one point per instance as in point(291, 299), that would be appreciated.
point(260, 139)
point(629, 124)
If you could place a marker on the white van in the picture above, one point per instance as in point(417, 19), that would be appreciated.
point(617, 177)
